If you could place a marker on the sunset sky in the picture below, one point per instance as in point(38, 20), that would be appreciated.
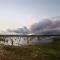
point(17, 13)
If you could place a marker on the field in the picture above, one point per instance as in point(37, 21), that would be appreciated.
point(31, 52)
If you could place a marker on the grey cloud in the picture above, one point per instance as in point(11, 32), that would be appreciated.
point(46, 26)
point(24, 30)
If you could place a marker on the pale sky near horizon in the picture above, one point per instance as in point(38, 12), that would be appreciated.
point(17, 13)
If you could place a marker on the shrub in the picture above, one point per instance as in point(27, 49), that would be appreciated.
point(56, 39)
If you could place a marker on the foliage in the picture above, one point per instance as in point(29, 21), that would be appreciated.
point(29, 52)
point(56, 39)
point(2, 39)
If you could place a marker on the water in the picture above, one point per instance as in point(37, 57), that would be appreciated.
point(21, 41)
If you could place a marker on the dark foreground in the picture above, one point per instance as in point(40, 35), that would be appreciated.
point(28, 52)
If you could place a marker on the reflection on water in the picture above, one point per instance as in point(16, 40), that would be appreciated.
point(17, 41)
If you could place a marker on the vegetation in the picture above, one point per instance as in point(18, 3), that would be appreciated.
point(2, 39)
point(31, 52)
point(56, 40)
point(28, 52)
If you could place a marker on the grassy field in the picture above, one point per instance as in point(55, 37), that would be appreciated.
point(32, 52)
point(29, 52)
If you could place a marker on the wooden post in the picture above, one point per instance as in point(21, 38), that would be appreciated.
point(38, 37)
point(4, 38)
point(27, 40)
point(11, 41)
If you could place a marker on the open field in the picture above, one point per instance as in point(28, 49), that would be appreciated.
point(29, 52)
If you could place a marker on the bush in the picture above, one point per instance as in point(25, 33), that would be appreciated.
point(56, 39)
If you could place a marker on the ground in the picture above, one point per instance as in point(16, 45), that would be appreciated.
point(30, 52)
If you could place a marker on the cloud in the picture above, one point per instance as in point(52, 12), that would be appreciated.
point(45, 17)
point(24, 30)
point(46, 26)
point(29, 21)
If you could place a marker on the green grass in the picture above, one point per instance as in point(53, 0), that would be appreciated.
point(29, 52)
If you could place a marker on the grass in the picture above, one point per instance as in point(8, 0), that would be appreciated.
point(30, 52)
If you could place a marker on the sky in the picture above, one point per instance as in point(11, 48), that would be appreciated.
point(17, 13)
